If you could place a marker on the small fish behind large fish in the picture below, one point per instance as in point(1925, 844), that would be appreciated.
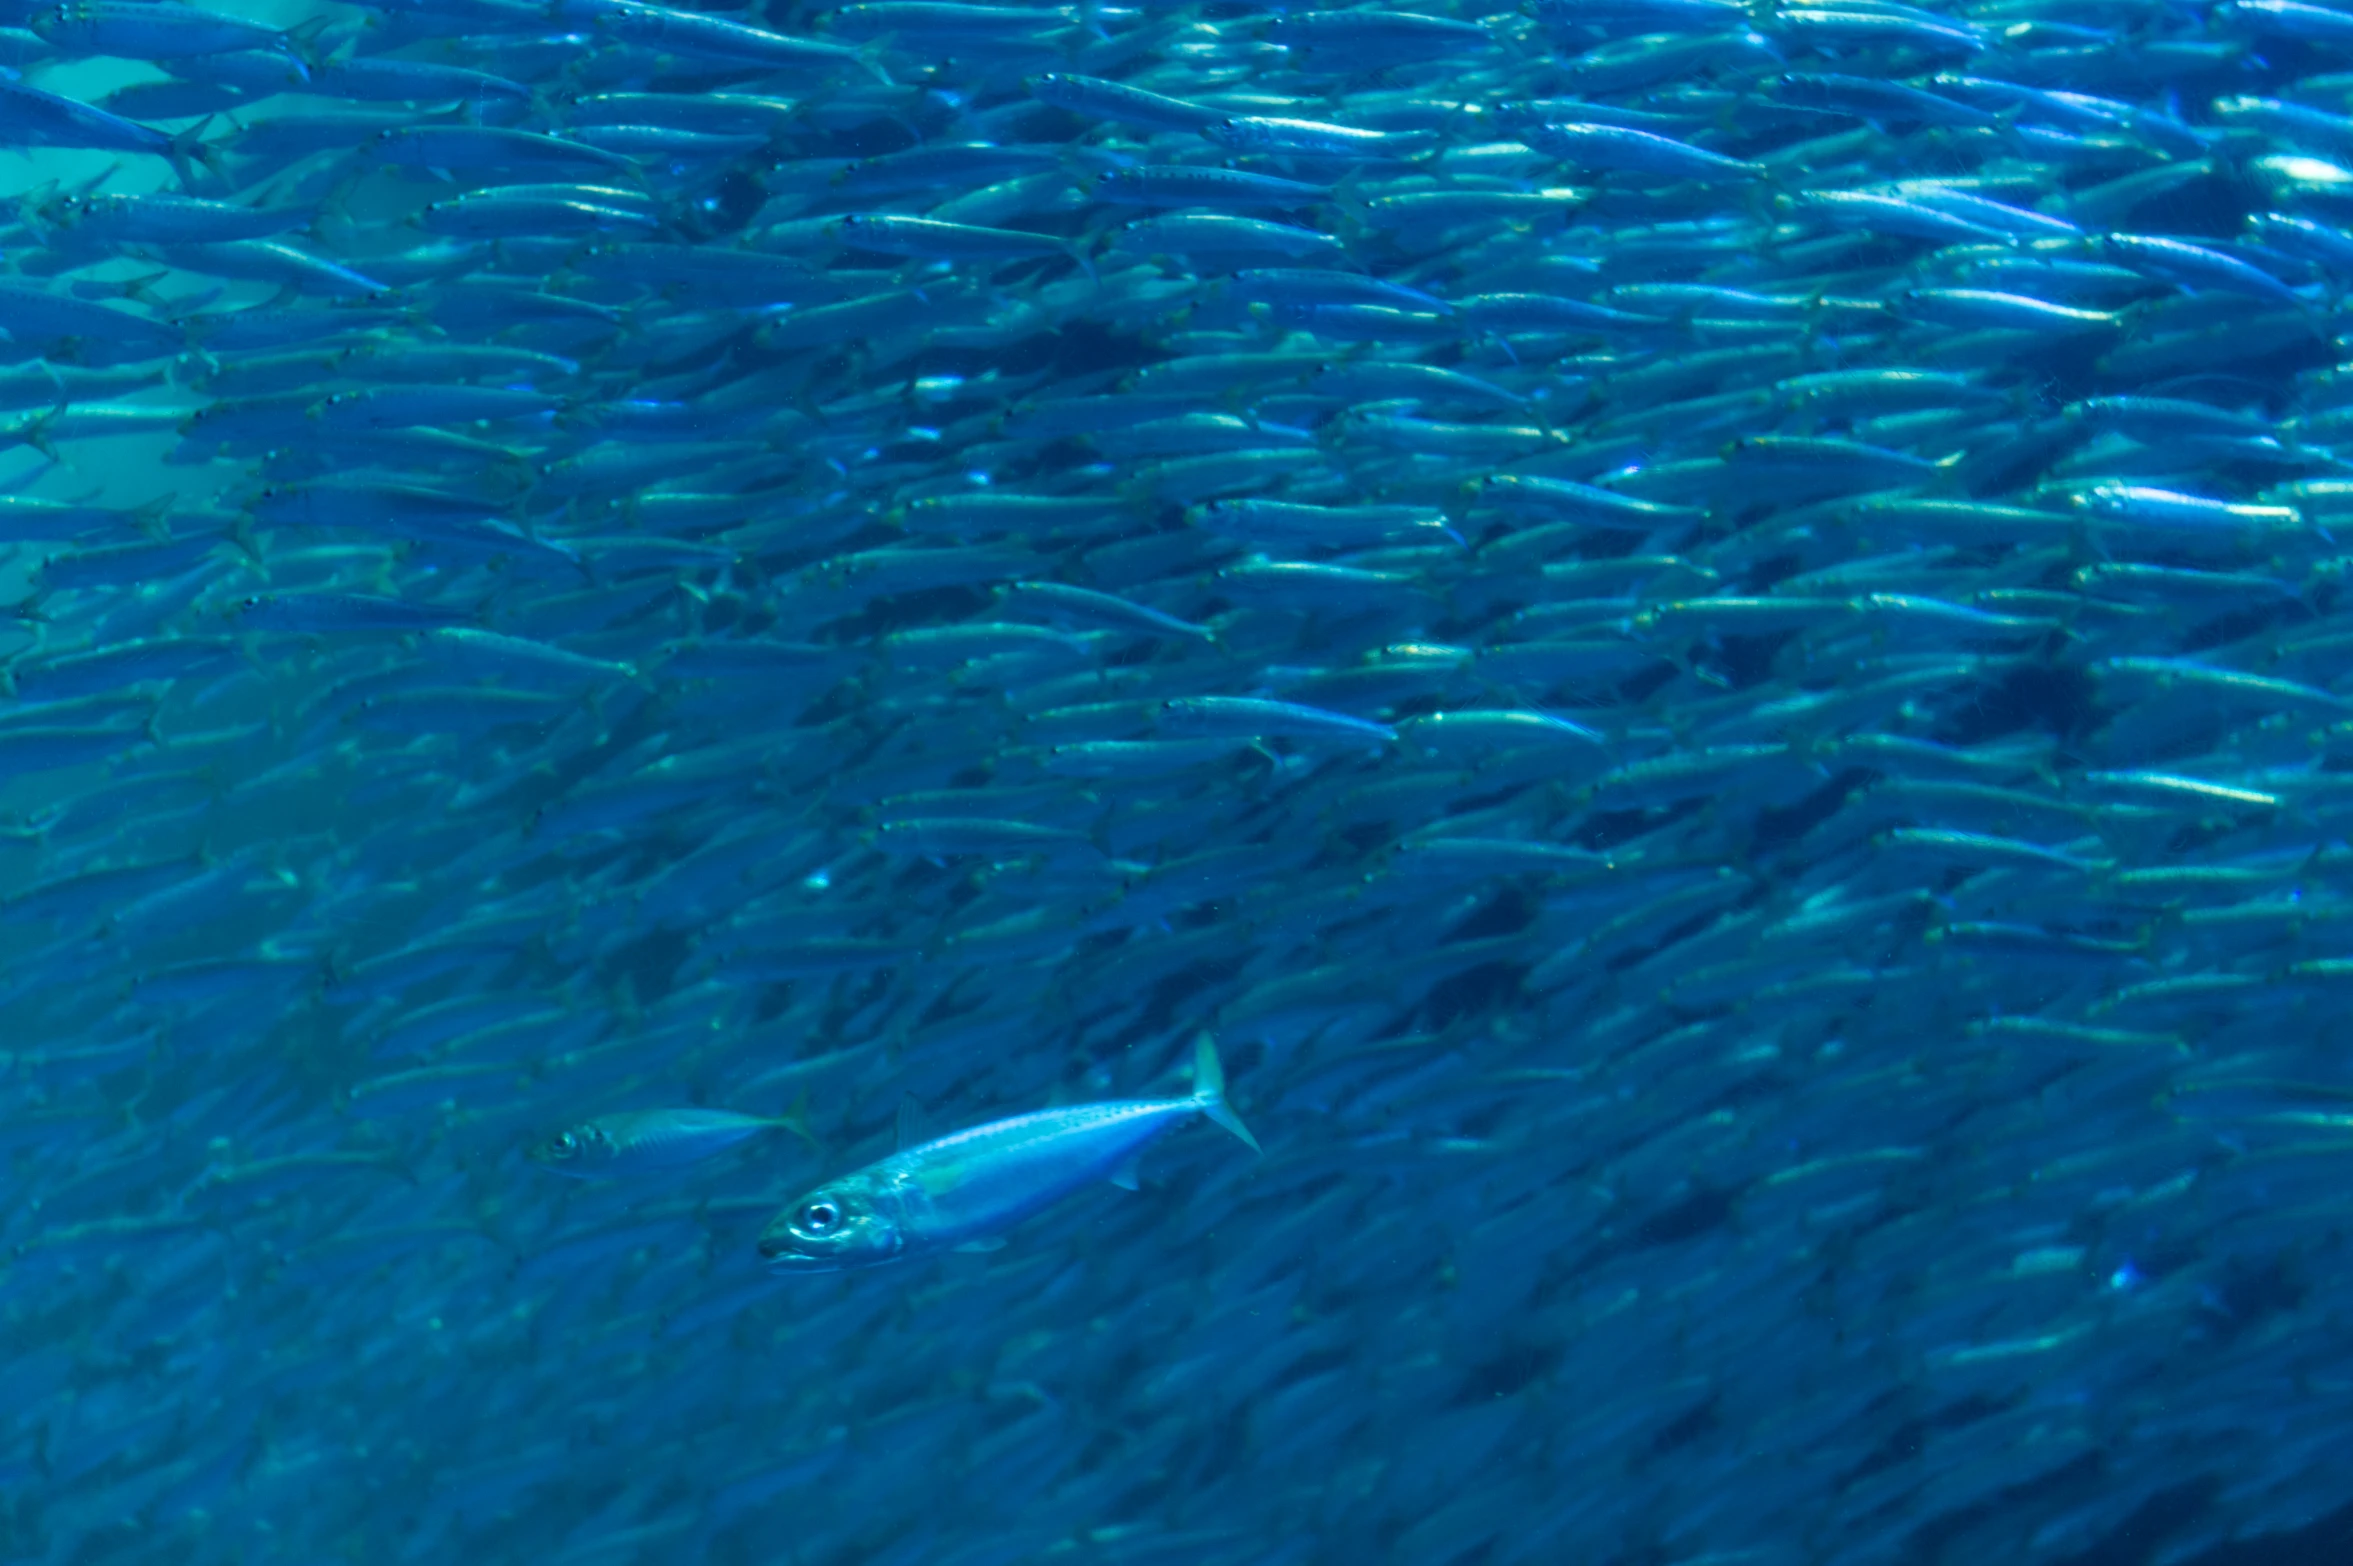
point(644, 1140)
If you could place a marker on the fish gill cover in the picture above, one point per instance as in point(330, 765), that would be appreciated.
point(1700, 650)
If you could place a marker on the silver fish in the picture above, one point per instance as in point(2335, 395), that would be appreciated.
point(639, 1141)
point(962, 1192)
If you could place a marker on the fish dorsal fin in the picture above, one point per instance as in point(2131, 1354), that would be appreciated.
point(1129, 1176)
point(914, 1125)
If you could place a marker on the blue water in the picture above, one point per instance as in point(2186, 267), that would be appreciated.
point(1701, 641)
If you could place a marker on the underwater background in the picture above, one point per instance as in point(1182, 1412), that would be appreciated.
point(1703, 639)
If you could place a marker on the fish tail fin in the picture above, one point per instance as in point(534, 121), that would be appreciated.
point(796, 1120)
point(308, 45)
point(2005, 130)
point(1347, 191)
point(34, 431)
point(32, 204)
point(1209, 1091)
point(240, 535)
point(190, 148)
point(137, 288)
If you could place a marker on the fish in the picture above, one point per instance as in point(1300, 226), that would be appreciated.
point(635, 1142)
point(963, 1191)
point(34, 117)
point(1711, 641)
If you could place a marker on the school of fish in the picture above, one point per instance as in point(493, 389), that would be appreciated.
point(1689, 651)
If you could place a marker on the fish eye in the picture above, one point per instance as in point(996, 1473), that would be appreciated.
point(565, 1145)
point(820, 1217)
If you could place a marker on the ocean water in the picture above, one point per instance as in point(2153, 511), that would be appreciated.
point(1696, 644)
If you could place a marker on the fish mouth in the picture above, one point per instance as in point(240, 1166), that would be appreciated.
point(794, 1261)
point(777, 1251)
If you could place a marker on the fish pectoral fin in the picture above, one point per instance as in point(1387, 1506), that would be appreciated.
point(995, 1243)
point(1129, 1176)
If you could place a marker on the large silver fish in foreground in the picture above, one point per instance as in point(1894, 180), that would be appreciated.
point(962, 1192)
